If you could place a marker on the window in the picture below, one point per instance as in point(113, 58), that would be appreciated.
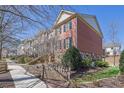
point(64, 44)
point(64, 28)
point(67, 43)
point(60, 30)
point(60, 46)
point(70, 25)
point(70, 42)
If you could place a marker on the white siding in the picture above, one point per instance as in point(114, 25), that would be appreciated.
point(63, 17)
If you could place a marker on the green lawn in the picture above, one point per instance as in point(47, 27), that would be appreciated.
point(106, 73)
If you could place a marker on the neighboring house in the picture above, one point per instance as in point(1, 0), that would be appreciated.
point(39, 45)
point(9, 52)
point(79, 30)
point(20, 49)
point(25, 48)
point(4, 52)
point(12, 52)
point(112, 49)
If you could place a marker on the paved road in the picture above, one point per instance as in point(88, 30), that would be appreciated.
point(23, 79)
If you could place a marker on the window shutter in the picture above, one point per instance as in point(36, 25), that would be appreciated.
point(70, 42)
point(64, 44)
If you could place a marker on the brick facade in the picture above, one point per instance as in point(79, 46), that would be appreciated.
point(83, 37)
point(88, 41)
point(81, 34)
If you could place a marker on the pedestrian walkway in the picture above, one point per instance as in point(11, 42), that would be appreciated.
point(23, 79)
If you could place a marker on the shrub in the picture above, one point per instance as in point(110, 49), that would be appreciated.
point(121, 65)
point(86, 62)
point(72, 58)
point(13, 57)
point(101, 64)
point(27, 59)
point(21, 60)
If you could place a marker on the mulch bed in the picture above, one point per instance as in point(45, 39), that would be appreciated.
point(113, 82)
point(6, 80)
point(32, 69)
point(53, 83)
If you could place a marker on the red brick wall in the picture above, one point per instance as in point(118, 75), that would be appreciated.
point(88, 40)
point(69, 33)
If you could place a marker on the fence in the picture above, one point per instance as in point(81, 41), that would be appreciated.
point(3, 67)
point(52, 71)
point(110, 60)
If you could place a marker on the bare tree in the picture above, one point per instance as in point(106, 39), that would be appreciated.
point(42, 16)
point(113, 38)
point(8, 30)
point(15, 19)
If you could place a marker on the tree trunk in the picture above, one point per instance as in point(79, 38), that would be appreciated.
point(114, 59)
point(0, 50)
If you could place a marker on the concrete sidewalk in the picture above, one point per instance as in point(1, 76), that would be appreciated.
point(23, 79)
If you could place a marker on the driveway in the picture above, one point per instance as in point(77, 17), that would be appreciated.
point(23, 79)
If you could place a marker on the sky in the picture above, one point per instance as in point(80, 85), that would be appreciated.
point(105, 16)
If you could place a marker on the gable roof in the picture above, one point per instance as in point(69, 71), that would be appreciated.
point(63, 15)
point(90, 19)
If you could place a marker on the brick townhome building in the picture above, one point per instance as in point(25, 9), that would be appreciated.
point(79, 30)
point(70, 29)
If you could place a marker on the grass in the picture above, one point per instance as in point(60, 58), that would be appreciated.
point(106, 73)
point(23, 59)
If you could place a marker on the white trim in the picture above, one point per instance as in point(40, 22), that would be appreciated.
point(61, 14)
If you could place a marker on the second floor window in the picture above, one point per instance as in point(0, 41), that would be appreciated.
point(64, 28)
point(67, 26)
point(58, 30)
point(70, 25)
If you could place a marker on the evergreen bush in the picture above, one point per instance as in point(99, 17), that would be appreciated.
point(101, 64)
point(86, 62)
point(121, 65)
point(72, 58)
